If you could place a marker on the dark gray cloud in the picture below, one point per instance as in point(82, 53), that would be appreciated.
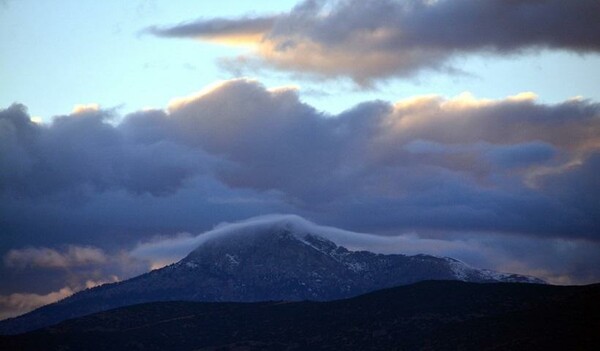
point(375, 39)
point(84, 152)
point(421, 163)
point(578, 187)
point(73, 256)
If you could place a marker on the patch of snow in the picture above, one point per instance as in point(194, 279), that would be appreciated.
point(356, 266)
point(494, 275)
point(302, 239)
point(339, 256)
point(233, 260)
point(463, 271)
point(511, 277)
point(460, 269)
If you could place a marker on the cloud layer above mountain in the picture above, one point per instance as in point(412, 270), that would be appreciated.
point(368, 40)
point(432, 163)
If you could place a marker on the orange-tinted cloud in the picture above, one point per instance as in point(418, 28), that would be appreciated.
point(368, 40)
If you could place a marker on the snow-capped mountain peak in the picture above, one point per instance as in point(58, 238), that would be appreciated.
point(287, 258)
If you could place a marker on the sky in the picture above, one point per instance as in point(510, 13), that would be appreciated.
point(461, 128)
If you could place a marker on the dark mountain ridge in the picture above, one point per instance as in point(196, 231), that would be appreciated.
point(282, 260)
point(432, 315)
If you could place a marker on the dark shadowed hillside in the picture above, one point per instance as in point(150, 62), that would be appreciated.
point(434, 315)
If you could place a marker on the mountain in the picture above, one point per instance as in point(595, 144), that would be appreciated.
point(282, 260)
point(432, 315)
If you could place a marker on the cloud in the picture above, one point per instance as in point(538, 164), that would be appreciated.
point(164, 250)
point(82, 152)
point(85, 108)
point(422, 163)
point(16, 304)
point(530, 256)
point(578, 186)
point(72, 256)
point(233, 32)
point(494, 154)
point(171, 249)
point(90, 283)
point(374, 39)
point(19, 303)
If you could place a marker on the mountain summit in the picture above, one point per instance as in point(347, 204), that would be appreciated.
point(276, 258)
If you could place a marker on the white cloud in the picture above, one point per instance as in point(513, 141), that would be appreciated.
point(85, 108)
